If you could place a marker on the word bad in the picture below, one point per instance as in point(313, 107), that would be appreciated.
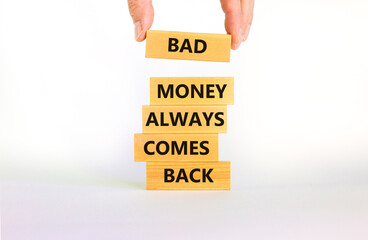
point(182, 175)
point(190, 46)
point(200, 46)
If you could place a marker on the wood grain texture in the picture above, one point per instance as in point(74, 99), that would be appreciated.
point(155, 119)
point(220, 176)
point(218, 46)
point(175, 147)
point(191, 90)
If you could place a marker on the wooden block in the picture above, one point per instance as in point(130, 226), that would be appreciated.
point(188, 176)
point(184, 119)
point(189, 46)
point(191, 90)
point(175, 147)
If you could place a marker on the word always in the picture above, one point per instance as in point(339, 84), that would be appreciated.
point(186, 119)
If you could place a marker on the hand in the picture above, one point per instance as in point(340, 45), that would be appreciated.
point(238, 18)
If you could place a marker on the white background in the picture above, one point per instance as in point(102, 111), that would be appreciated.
point(72, 83)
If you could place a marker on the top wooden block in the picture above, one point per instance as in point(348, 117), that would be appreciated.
point(188, 46)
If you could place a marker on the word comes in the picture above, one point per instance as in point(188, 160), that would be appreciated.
point(182, 175)
point(200, 46)
point(183, 91)
point(158, 147)
point(163, 147)
point(185, 119)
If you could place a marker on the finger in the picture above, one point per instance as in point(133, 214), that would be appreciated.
point(142, 15)
point(247, 17)
point(232, 12)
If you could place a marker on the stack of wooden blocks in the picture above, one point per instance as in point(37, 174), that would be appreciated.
point(179, 142)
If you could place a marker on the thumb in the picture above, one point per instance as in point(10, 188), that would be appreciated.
point(142, 15)
point(232, 12)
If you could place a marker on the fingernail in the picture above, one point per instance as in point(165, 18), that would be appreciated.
point(236, 46)
point(246, 33)
point(137, 30)
point(238, 42)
